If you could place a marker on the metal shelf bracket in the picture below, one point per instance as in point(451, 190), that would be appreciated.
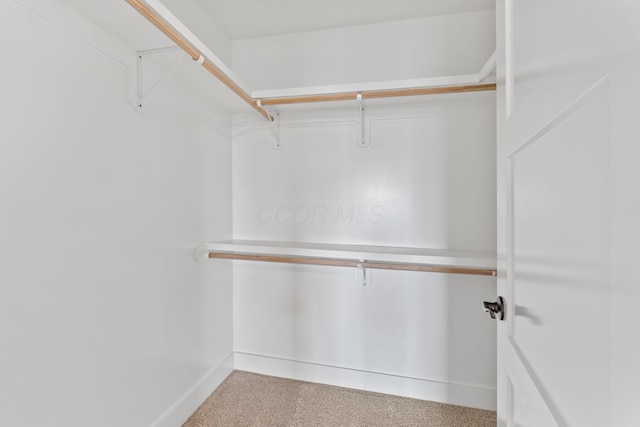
point(274, 124)
point(275, 130)
point(139, 91)
point(363, 142)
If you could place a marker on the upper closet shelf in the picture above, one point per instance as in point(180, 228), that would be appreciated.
point(172, 27)
point(359, 256)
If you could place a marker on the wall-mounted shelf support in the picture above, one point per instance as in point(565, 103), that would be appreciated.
point(274, 126)
point(140, 92)
point(362, 138)
point(275, 130)
point(362, 273)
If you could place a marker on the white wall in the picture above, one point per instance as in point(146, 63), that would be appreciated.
point(415, 48)
point(426, 180)
point(105, 317)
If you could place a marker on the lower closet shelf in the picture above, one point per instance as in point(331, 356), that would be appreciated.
point(356, 256)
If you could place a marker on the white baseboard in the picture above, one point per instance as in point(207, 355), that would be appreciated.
point(193, 398)
point(455, 394)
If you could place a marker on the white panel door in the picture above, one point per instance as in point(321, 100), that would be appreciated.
point(568, 212)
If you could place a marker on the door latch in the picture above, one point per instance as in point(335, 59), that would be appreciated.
point(495, 309)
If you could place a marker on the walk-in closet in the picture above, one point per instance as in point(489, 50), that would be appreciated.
point(432, 200)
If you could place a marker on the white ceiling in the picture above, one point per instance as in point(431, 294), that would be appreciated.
point(254, 18)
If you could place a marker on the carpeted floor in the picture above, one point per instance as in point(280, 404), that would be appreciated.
point(247, 399)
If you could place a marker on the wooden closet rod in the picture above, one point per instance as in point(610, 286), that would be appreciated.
point(196, 55)
point(256, 104)
point(392, 93)
point(353, 263)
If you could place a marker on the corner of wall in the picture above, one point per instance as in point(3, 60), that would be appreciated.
point(196, 395)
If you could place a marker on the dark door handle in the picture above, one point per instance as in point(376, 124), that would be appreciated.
point(495, 309)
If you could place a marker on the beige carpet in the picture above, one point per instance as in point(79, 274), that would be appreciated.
point(247, 399)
